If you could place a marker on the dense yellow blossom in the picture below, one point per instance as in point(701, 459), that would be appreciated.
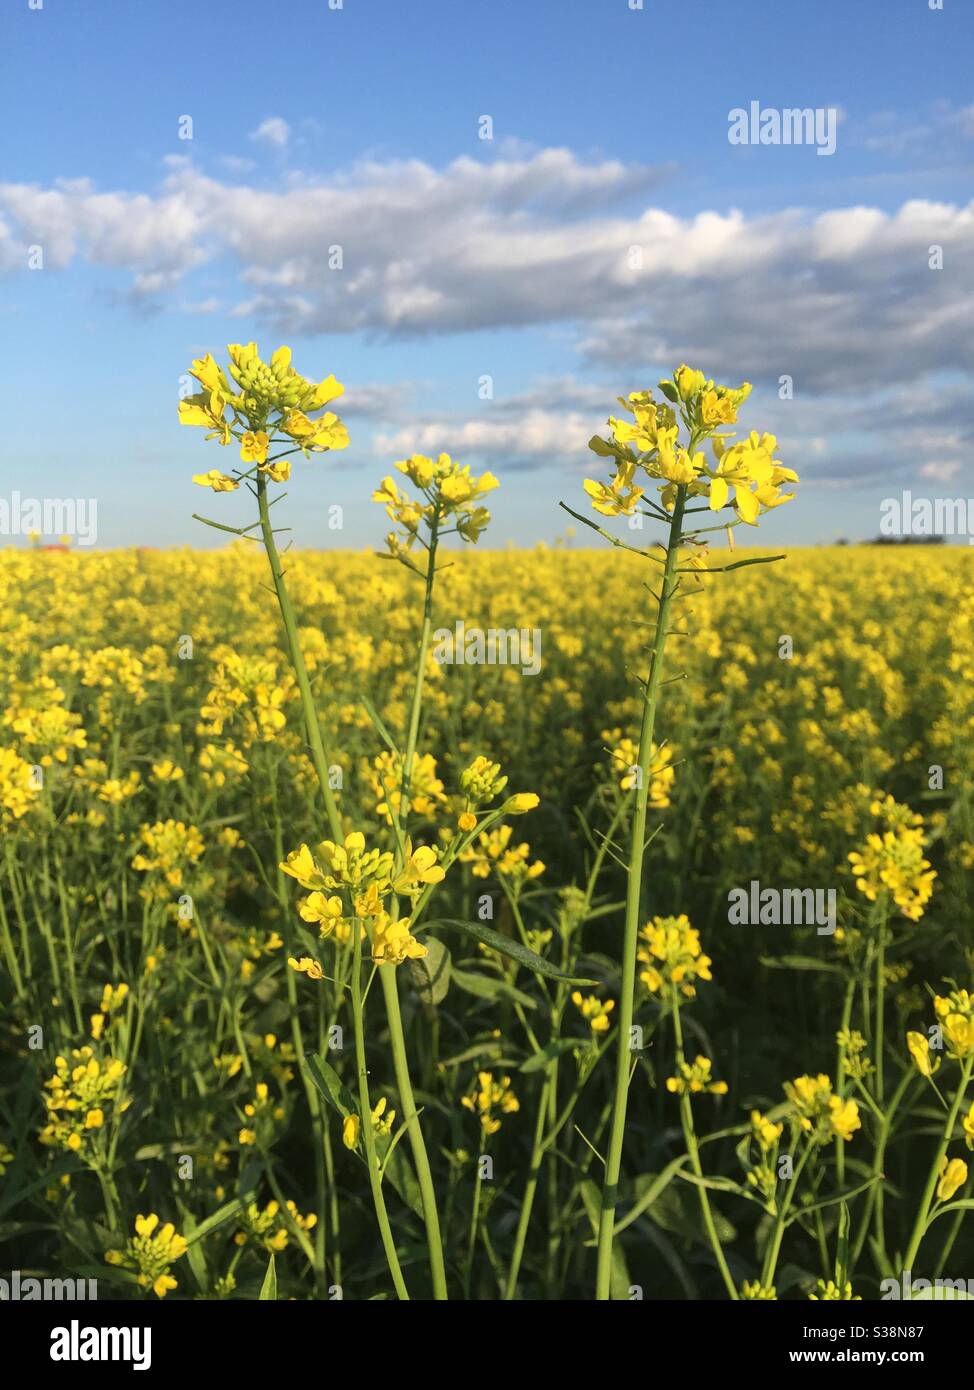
point(819, 1112)
point(150, 1253)
point(80, 1097)
point(671, 956)
point(489, 1099)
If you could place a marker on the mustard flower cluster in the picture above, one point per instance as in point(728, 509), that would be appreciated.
point(744, 475)
point(366, 877)
point(269, 1228)
point(489, 1099)
point(819, 1112)
point(694, 1078)
point(449, 493)
point(892, 860)
point(671, 956)
point(78, 1098)
point(150, 1253)
point(268, 403)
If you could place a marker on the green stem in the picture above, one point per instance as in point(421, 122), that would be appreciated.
point(613, 1163)
point(390, 987)
point(880, 1005)
point(774, 1249)
point(472, 1238)
point(920, 1226)
point(537, 1154)
point(320, 760)
point(365, 1118)
point(879, 1157)
point(690, 1137)
point(390, 992)
point(289, 618)
point(840, 1075)
point(412, 733)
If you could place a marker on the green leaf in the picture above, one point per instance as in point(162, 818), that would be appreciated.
point(800, 963)
point(400, 1172)
point(489, 1049)
point(648, 1187)
point(716, 1184)
point(620, 1283)
point(967, 1204)
point(430, 974)
point(678, 1211)
point(268, 1289)
point(540, 1061)
point(510, 948)
point(490, 987)
point(223, 1214)
point(15, 1193)
point(378, 725)
point(831, 1201)
point(329, 1084)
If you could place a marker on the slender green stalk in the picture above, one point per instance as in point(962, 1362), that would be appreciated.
point(774, 1247)
point(878, 1193)
point(474, 1227)
point(389, 989)
point(880, 1001)
point(885, 1122)
point(613, 1163)
point(289, 618)
point(920, 1226)
point(690, 1137)
point(840, 1073)
point(390, 992)
point(365, 1107)
point(109, 1196)
point(9, 953)
point(412, 733)
point(524, 1220)
point(387, 977)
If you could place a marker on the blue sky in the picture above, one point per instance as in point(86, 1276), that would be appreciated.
point(464, 258)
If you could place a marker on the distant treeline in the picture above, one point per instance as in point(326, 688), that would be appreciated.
point(901, 540)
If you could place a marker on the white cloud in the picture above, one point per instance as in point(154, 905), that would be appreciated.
point(940, 472)
point(274, 131)
point(908, 132)
point(842, 300)
point(532, 437)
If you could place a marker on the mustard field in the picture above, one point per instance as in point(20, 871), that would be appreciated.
point(213, 1076)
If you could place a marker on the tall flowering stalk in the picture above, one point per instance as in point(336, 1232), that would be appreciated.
point(743, 477)
point(270, 407)
point(955, 1019)
point(354, 892)
point(450, 505)
point(672, 960)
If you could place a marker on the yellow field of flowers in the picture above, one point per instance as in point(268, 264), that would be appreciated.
point(146, 932)
point(450, 923)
